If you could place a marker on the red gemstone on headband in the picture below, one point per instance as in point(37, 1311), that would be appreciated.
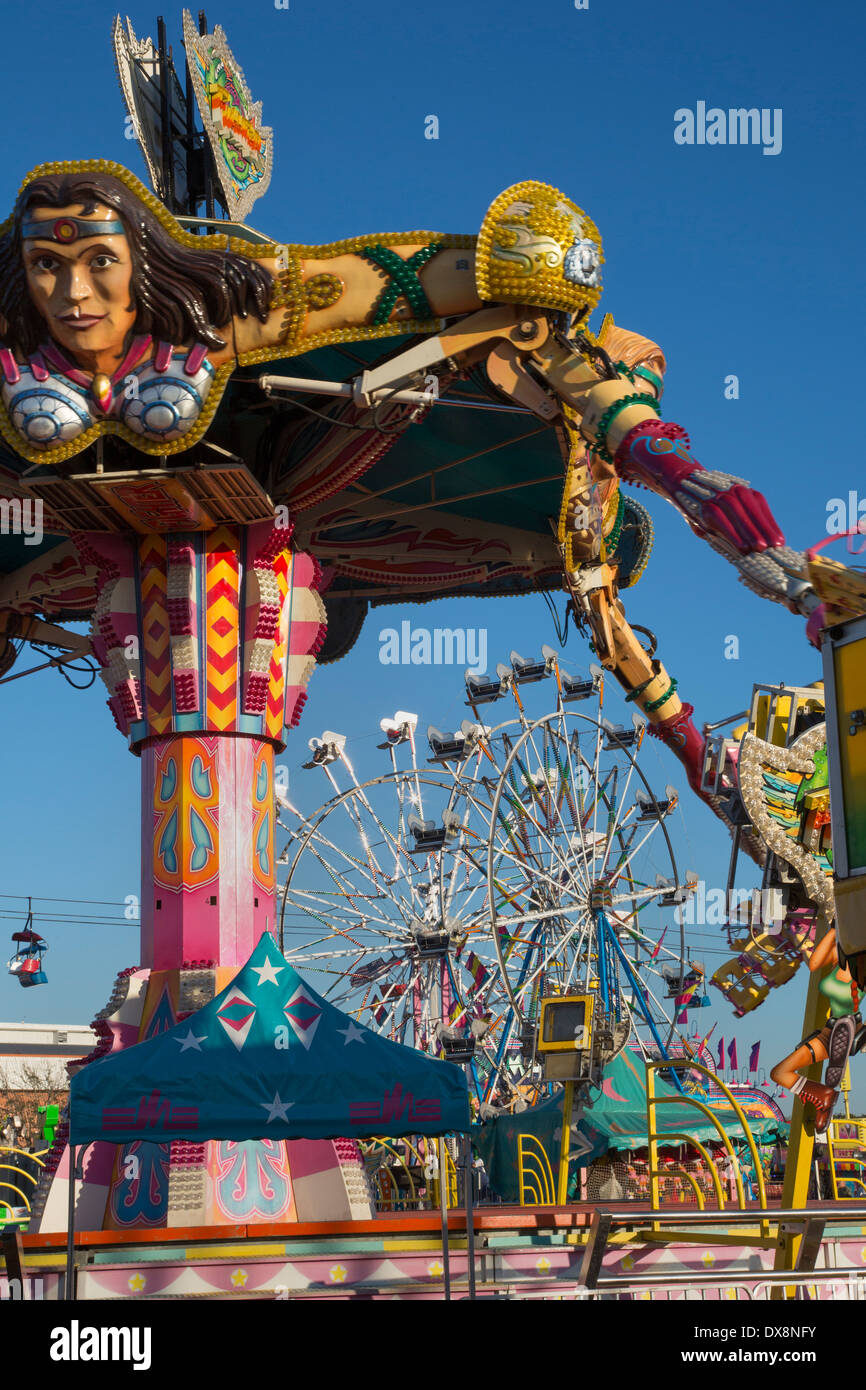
point(65, 230)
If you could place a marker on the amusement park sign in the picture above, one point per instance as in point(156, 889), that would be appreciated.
point(242, 147)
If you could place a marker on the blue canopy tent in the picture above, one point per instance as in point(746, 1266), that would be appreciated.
point(266, 1058)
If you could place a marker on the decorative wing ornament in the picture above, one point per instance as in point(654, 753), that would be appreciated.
point(242, 147)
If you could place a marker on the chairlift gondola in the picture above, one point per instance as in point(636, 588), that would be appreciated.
point(26, 963)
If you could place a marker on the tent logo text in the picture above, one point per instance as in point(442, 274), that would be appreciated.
point(153, 1112)
point(394, 1106)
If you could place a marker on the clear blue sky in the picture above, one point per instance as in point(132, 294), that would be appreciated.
point(736, 262)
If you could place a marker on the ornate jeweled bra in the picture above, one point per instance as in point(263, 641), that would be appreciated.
point(51, 401)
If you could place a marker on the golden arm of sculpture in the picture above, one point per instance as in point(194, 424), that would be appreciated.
point(537, 274)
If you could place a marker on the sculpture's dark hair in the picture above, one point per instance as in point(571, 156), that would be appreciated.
point(180, 295)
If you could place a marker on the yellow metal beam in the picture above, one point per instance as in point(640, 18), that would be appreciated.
point(710, 1238)
point(801, 1143)
point(565, 1143)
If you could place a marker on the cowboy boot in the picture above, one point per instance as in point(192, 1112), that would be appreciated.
point(822, 1099)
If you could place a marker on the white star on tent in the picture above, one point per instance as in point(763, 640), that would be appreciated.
point(190, 1042)
point(268, 972)
point(277, 1107)
point(352, 1034)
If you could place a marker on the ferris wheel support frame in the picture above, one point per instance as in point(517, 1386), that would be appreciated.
point(529, 730)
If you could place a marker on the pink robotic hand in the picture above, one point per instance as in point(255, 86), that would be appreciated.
point(817, 622)
point(656, 454)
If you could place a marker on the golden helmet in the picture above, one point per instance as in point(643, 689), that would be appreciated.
point(537, 247)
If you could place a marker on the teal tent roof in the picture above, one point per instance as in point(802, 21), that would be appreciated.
point(617, 1119)
point(268, 1058)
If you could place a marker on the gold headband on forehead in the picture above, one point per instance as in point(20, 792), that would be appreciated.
point(143, 195)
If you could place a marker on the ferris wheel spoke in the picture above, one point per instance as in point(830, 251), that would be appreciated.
point(305, 955)
point(330, 913)
point(641, 896)
point(595, 765)
point(536, 871)
point(577, 812)
point(522, 818)
point(394, 843)
point(551, 836)
point(650, 832)
point(547, 834)
point(560, 946)
point(632, 808)
point(580, 953)
point(317, 841)
point(462, 859)
point(545, 914)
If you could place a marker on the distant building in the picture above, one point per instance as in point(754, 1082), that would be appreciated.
point(41, 1047)
point(33, 1058)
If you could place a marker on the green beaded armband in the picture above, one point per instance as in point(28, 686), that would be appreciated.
point(608, 416)
point(657, 704)
point(638, 691)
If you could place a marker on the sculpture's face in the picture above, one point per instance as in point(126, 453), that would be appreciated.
point(81, 285)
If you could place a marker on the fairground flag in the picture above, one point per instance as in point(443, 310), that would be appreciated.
point(705, 1039)
point(476, 969)
point(721, 1054)
point(753, 1058)
point(732, 1054)
point(379, 1012)
point(659, 946)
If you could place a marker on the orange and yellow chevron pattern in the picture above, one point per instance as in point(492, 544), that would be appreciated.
point(222, 581)
point(156, 657)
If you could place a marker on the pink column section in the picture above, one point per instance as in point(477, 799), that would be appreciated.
point(208, 881)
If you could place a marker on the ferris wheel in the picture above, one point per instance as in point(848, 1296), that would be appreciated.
point(441, 901)
point(376, 909)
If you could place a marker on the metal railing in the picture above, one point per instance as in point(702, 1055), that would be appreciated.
point(810, 1224)
point(847, 1151)
point(702, 1288)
